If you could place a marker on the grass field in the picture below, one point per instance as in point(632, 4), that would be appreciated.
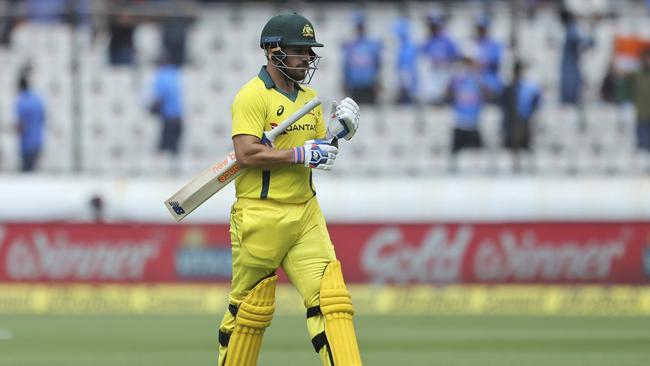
point(148, 340)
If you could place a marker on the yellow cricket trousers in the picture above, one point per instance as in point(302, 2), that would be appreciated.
point(265, 235)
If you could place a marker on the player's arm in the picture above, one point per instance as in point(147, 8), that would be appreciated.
point(248, 119)
point(315, 154)
point(251, 152)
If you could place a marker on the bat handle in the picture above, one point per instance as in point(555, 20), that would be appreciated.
point(266, 141)
point(271, 135)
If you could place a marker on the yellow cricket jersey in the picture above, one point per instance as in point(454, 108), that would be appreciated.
point(259, 106)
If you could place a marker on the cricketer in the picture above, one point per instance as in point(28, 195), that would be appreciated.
point(276, 221)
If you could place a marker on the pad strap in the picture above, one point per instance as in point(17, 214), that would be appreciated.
point(224, 338)
point(320, 341)
point(313, 311)
point(233, 310)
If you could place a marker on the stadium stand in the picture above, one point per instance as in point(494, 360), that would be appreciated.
point(118, 135)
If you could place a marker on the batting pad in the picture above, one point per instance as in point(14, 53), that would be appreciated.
point(336, 307)
point(253, 317)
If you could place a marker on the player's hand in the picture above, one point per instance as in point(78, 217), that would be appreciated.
point(315, 154)
point(344, 120)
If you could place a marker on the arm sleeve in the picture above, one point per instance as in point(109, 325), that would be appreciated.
point(248, 114)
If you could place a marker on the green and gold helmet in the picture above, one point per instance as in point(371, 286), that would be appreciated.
point(289, 29)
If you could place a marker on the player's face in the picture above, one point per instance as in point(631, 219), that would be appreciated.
point(297, 62)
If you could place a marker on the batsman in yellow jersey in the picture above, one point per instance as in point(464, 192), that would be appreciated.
point(276, 220)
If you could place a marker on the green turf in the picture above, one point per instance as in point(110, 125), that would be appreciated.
point(403, 341)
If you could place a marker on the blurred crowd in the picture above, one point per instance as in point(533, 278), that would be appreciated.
point(462, 77)
point(466, 79)
point(118, 19)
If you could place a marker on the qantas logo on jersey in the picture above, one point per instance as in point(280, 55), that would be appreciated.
point(302, 127)
point(296, 127)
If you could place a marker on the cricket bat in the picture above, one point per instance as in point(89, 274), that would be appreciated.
point(214, 178)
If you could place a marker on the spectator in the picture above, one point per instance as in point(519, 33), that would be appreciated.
point(46, 11)
point(30, 116)
point(121, 28)
point(441, 51)
point(640, 83)
point(610, 89)
point(168, 106)
point(519, 102)
point(615, 87)
point(574, 45)
point(361, 65)
point(466, 92)
point(54, 11)
point(97, 208)
point(8, 20)
point(490, 54)
point(174, 31)
point(406, 63)
point(79, 13)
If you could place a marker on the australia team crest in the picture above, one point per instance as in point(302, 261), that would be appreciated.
point(308, 31)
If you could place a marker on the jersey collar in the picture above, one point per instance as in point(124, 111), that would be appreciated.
point(268, 82)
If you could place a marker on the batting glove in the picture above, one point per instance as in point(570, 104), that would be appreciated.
point(315, 154)
point(344, 120)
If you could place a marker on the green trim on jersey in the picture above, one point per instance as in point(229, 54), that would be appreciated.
point(269, 83)
point(266, 183)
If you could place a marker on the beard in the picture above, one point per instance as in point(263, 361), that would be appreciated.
point(297, 74)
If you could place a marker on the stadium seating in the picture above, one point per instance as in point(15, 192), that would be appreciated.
point(118, 136)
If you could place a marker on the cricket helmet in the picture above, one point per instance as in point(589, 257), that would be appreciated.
point(289, 29)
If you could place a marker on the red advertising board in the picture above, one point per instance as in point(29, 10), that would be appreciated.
point(496, 253)
point(113, 253)
point(376, 253)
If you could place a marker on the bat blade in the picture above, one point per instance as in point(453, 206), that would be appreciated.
point(203, 186)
